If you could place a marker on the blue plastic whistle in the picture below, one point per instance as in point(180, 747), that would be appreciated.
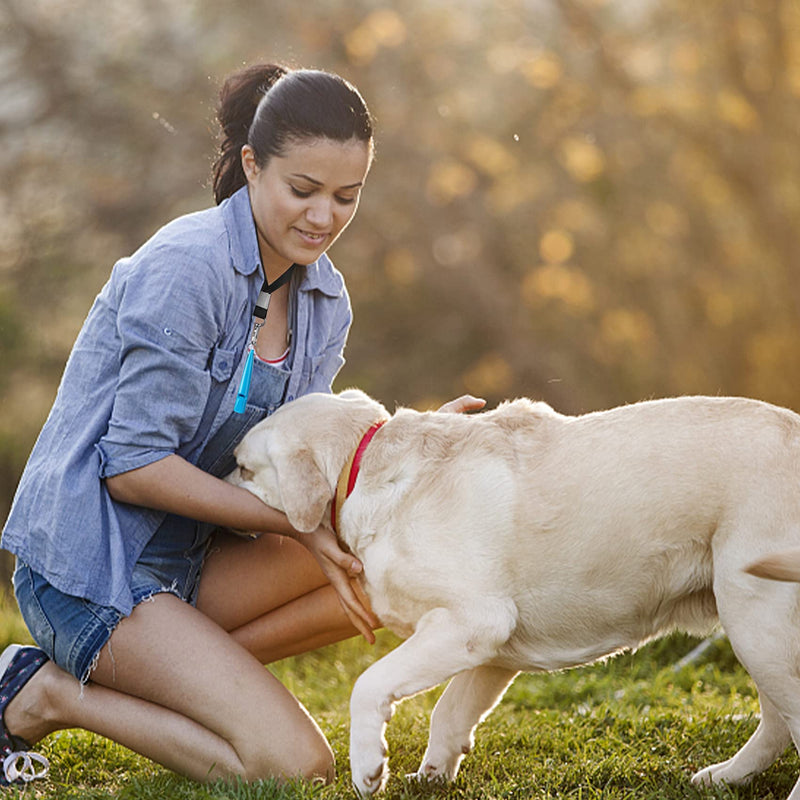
point(244, 385)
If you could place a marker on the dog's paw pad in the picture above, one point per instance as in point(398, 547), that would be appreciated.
point(368, 785)
point(429, 773)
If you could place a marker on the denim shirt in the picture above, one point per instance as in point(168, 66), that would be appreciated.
point(153, 372)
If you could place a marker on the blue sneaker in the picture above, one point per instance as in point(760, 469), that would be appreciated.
point(18, 664)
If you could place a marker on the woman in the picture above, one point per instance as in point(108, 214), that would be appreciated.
point(153, 630)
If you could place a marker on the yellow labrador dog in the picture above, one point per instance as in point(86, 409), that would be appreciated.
point(522, 539)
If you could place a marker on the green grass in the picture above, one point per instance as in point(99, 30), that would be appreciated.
point(629, 728)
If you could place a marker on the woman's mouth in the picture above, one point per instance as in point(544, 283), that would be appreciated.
point(311, 238)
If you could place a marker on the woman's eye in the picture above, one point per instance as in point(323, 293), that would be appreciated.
point(303, 194)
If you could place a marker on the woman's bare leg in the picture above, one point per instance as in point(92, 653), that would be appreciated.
point(271, 595)
point(176, 688)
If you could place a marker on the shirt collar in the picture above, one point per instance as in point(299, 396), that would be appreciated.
point(242, 231)
point(321, 275)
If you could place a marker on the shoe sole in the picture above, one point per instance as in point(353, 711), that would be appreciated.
point(7, 657)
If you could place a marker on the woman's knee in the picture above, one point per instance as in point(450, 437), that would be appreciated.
point(311, 760)
point(319, 764)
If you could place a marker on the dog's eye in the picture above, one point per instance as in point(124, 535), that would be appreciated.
point(247, 474)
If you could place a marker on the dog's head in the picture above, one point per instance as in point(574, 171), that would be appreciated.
point(292, 459)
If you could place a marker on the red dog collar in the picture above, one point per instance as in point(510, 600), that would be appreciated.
point(347, 478)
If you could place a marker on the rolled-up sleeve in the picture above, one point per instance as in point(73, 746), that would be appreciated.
point(166, 325)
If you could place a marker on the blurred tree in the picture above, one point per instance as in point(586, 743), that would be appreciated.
point(585, 201)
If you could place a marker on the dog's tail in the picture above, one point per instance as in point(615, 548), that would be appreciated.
point(783, 566)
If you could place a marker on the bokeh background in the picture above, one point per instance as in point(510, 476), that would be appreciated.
point(589, 202)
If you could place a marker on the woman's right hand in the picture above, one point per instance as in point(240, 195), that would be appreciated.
point(342, 569)
point(463, 404)
point(174, 485)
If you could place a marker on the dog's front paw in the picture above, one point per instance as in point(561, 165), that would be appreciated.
point(369, 774)
point(441, 762)
point(424, 780)
point(368, 783)
point(429, 771)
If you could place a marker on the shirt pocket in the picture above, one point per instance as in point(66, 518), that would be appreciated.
point(221, 364)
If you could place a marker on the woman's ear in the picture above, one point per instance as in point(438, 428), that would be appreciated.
point(249, 164)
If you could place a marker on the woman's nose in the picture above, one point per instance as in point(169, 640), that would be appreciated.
point(320, 212)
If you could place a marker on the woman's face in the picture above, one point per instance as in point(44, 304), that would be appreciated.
point(303, 200)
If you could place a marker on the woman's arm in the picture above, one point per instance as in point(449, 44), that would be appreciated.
point(174, 485)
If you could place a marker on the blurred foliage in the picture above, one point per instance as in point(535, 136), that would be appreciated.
point(588, 202)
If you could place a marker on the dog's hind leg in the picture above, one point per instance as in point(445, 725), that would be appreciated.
point(468, 699)
point(770, 739)
point(444, 643)
point(762, 620)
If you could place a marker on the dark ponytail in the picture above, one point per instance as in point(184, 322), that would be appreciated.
point(238, 101)
point(268, 106)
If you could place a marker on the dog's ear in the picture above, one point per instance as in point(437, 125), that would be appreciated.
point(305, 492)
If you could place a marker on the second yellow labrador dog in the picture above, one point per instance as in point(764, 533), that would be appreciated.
point(522, 539)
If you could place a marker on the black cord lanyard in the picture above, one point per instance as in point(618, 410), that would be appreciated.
point(259, 315)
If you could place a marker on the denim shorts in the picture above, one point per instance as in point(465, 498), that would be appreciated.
point(73, 630)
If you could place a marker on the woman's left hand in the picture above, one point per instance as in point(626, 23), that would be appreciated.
point(463, 404)
point(341, 569)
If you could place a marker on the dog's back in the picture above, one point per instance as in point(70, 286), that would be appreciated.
point(599, 528)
